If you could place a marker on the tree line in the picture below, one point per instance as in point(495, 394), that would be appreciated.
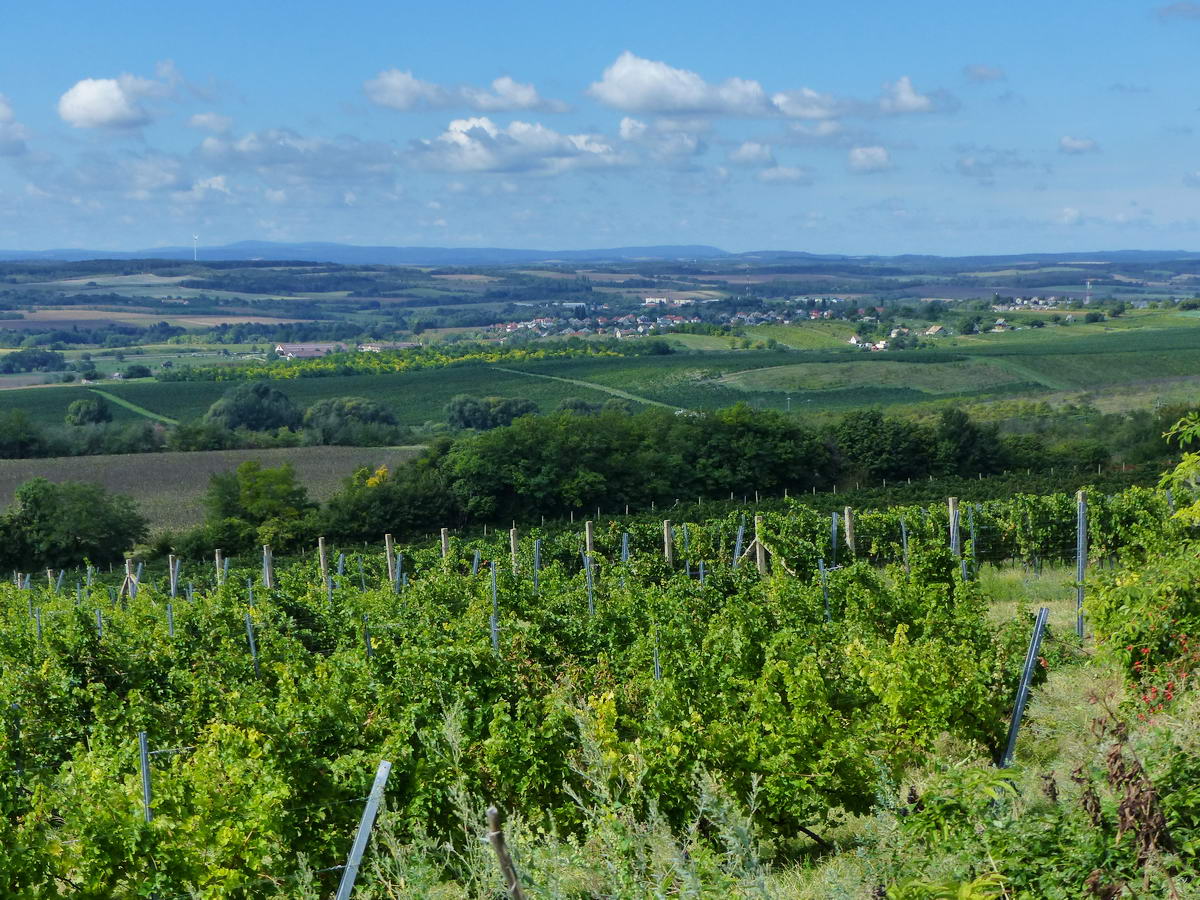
point(573, 460)
point(586, 456)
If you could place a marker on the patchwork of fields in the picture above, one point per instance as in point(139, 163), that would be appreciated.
point(1102, 363)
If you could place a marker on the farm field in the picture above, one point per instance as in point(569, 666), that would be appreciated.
point(168, 487)
point(83, 317)
point(1111, 365)
point(809, 336)
point(930, 378)
point(414, 397)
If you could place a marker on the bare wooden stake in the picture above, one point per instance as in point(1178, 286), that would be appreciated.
point(389, 550)
point(760, 550)
point(589, 537)
point(268, 567)
point(323, 556)
point(512, 547)
point(848, 521)
point(445, 542)
point(668, 543)
point(512, 884)
point(220, 568)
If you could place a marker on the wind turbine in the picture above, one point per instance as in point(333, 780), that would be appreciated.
point(195, 247)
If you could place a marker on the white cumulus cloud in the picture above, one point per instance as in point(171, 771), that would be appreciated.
point(664, 140)
point(640, 85)
point(633, 129)
point(477, 144)
point(806, 103)
point(211, 121)
point(403, 91)
point(869, 159)
point(901, 97)
point(1068, 144)
point(752, 153)
point(1068, 215)
point(283, 158)
point(116, 103)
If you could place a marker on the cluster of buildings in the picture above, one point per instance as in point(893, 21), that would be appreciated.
point(1013, 304)
point(324, 348)
point(618, 326)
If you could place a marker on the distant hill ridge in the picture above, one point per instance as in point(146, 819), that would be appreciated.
point(352, 254)
point(359, 255)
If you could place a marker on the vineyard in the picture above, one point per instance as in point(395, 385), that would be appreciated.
point(676, 708)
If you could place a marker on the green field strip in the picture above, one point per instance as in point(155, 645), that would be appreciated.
point(616, 392)
point(133, 407)
point(1016, 367)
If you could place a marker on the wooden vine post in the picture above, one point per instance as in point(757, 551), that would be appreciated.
point(323, 556)
point(512, 883)
point(589, 537)
point(760, 550)
point(848, 519)
point(512, 548)
point(218, 560)
point(268, 567)
point(668, 543)
point(445, 543)
point(389, 551)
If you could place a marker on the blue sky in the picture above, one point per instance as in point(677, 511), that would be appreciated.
point(869, 127)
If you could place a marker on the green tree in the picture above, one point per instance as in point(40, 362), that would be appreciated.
point(257, 406)
point(256, 494)
point(876, 446)
point(59, 525)
point(88, 411)
point(254, 505)
point(337, 420)
point(465, 411)
point(20, 438)
point(578, 405)
point(962, 447)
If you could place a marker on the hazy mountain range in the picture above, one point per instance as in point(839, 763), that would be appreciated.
point(351, 254)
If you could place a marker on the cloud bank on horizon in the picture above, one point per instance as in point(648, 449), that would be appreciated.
point(509, 131)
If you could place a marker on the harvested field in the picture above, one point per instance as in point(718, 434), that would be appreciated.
point(168, 486)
